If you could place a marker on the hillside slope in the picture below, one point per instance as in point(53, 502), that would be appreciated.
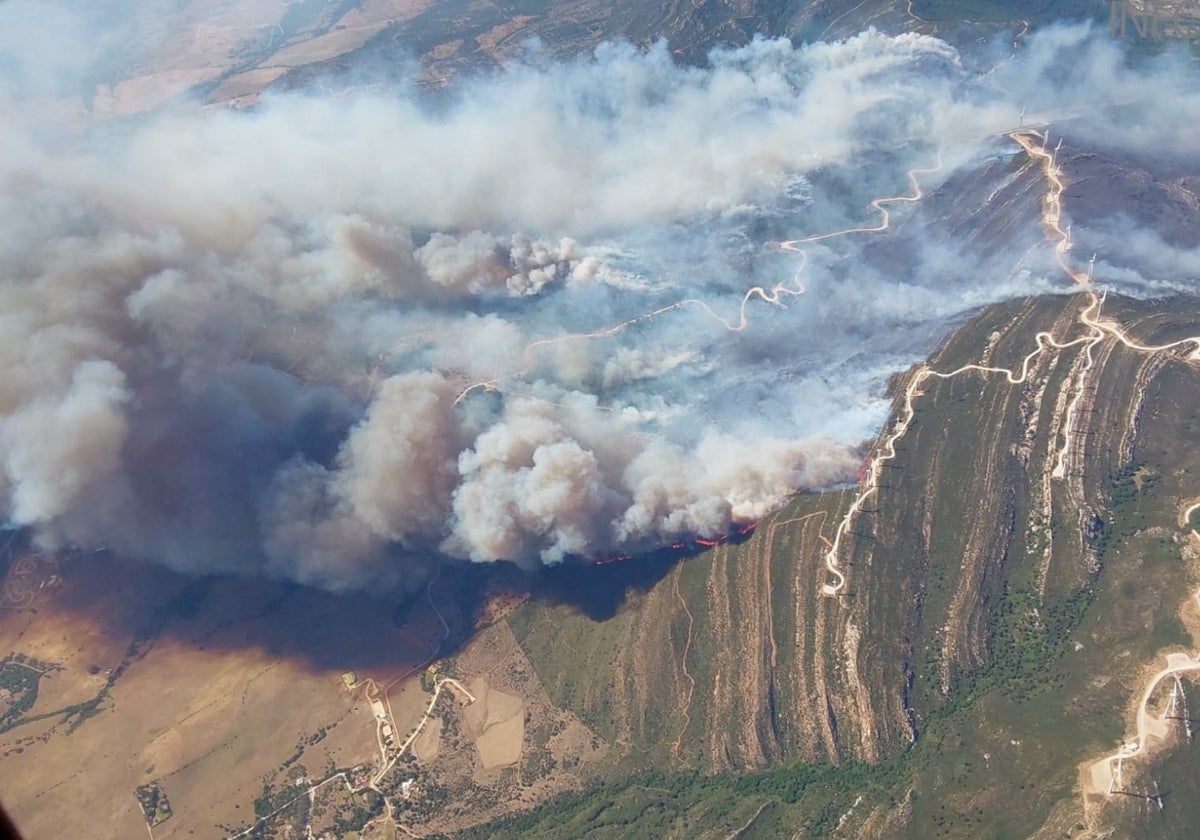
point(970, 624)
point(992, 628)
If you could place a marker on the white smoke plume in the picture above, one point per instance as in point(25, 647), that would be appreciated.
point(329, 337)
point(477, 262)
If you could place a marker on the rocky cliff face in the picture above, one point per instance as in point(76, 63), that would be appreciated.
point(999, 553)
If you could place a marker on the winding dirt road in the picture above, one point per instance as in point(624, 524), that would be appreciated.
point(1105, 774)
point(1089, 317)
point(1150, 731)
point(775, 295)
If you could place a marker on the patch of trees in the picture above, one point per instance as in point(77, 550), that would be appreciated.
point(19, 676)
point(364, 807)
point(155, 806)
point(648, 804)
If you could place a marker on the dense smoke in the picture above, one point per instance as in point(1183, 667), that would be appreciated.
point(329, 337)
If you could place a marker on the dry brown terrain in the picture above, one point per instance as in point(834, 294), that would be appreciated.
point(427, 744)
point(242, 46)
point(228, 53)
point(497, 723)
point(206, 704)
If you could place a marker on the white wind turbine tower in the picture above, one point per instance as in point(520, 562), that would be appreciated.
point(1172, 701)
point(1187, 720)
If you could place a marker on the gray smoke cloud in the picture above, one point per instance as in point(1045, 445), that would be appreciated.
point(331, 337)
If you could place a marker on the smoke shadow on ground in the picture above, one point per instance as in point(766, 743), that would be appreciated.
point(147, 604)
point(378, 633)
point(599, 589)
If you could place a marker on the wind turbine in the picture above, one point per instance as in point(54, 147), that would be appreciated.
point(1157, 799)
point(1187, 719)
point(1172, 701)
point(1091, 267)
point(1021, 119)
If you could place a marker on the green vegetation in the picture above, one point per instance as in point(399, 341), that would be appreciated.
point(19, 676)
point(675, 804)
point(155, 806)
point(1040, 685)
point(270, 800)
point(291, 802)
point(363, 807)
point(811, 797)
point(183, 605)
point(289, 805)
point(18, 689)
